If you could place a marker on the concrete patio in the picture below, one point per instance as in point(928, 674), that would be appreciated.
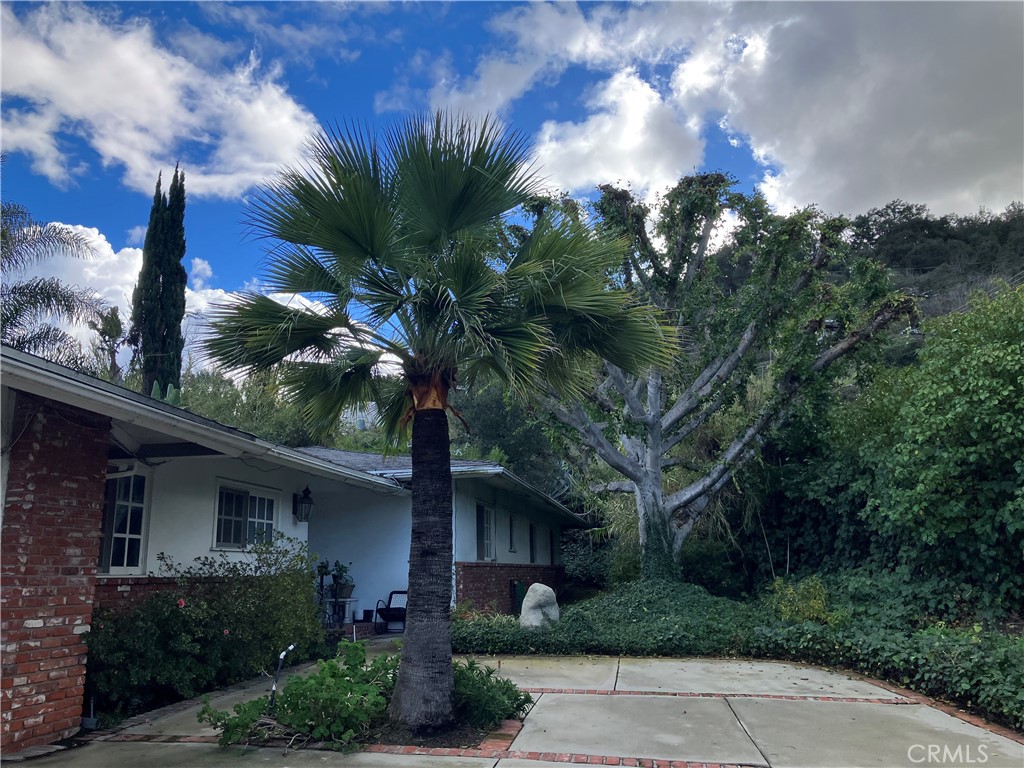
point(679, 713)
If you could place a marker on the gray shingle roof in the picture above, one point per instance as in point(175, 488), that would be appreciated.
point(377, 464)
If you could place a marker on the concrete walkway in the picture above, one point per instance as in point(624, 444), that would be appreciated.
point(671, 713)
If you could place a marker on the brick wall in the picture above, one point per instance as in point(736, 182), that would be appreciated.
point(488, 586)
point(123, 592)
point(49, 550)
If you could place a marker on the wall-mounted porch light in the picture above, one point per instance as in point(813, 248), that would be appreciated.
point(302, 506)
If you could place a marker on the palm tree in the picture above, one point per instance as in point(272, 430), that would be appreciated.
point(391, 241)
point(27, 305)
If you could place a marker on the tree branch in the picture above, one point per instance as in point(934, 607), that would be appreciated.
point(696, 422)
point(634, 408)
point(741, 449)
point(577, 419)
point(721, 369)
point(678, 461)
point(621, 486)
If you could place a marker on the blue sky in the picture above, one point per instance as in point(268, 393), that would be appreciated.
point(844, 105)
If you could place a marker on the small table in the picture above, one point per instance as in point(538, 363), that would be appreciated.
point(342, 609)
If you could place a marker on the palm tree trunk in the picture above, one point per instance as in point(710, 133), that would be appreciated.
point(423, 693)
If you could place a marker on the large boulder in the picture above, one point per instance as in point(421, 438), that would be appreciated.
point(540, 608)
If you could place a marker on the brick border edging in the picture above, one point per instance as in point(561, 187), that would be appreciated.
point(704, 695)
point(942, 706)
point(553, 757)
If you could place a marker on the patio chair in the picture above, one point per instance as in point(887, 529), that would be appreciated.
point(391, 612)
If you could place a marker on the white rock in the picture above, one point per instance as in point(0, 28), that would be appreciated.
point(540, 608)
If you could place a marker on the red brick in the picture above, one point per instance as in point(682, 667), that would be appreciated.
point(50, 545)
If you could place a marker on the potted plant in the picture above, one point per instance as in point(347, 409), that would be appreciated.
point(343, 583)
point(322, 569)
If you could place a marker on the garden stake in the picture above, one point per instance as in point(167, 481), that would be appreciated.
point(280, 661)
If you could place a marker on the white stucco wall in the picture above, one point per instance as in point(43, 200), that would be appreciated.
point(369, 529)
point(506, 503)
point(182, 499)
point(372, 531)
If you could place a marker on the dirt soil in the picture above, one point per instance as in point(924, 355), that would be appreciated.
point(464, 737)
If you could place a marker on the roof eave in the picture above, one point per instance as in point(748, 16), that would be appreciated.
point(496, 470)
point(55, 382)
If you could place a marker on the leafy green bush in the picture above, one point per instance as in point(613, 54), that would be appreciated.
point(339, 703)
point(346, 698)
point(707, 564)
point(482, 699)
point(587, 560)
point(974, 668)
point(804, 600)
point(224, 622)
point(655, 618)
point(921, 470)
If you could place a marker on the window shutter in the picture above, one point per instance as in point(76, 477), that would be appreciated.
point(481, 547)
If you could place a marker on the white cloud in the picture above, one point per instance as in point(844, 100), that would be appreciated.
point(74, 70)
point(848, 105)
point(136, 235)
point(549, 37)
point(855, 104)
point(631, 136)
point(200, 273)
point(113, 274)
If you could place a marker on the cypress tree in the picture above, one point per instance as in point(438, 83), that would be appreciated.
point(158, 304)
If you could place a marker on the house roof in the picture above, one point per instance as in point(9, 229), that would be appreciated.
point(399, 467)
point(392, 466)
point(150, 429)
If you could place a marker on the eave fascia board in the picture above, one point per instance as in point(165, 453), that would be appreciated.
point(495, 470)
point(44, 379)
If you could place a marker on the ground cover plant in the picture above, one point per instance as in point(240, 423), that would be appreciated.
point(812, 620)
point(344, 702)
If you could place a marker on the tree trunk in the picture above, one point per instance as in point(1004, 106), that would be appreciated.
point(423, 693)
point(657, 559)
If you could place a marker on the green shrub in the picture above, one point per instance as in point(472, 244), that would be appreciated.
point(655, 618)
point(339, 703)
point(706, 563)
point(226, 621)
point(482, 699)
point(346, 698)
point(804, 600)
point(980, 669)
point(587, 560)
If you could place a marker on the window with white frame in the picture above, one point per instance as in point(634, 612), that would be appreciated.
point(244, 517)
point(511, 532)
point(485, 549)
point(124, 522)
point(533, 543)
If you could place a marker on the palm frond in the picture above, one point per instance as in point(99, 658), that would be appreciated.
point(32, 301)
point(324, 390)
point(48, 342)
point(255, 332)
point(299, 270)
point(393, 404)
point(456, 174)
point(340, 202)
point(25, 241)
